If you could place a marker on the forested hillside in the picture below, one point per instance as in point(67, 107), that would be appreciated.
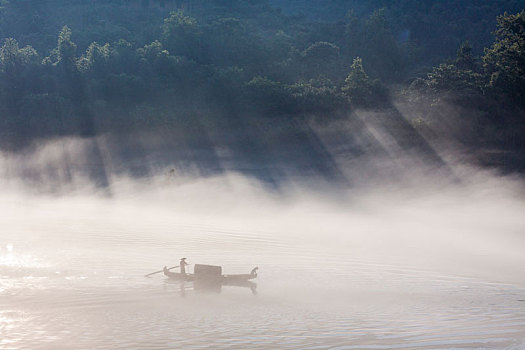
point(436, 27)
point(90, 67)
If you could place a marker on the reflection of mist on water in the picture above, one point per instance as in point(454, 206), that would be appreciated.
point(436, 264)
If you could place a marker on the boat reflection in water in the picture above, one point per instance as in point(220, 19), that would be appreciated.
point(216, 287)
point(209, 279)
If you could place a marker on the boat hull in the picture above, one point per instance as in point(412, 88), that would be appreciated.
point(178, 276)
point(224, 279)
point(238, 278)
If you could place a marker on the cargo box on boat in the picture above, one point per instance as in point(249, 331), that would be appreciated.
point(207, 271)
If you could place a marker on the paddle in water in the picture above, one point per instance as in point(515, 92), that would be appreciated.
point(149, 274)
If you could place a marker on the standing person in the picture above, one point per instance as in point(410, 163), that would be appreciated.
point(183, 265)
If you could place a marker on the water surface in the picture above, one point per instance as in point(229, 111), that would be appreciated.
point(382, 270)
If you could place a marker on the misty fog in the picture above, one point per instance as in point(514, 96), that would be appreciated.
point(381, 253)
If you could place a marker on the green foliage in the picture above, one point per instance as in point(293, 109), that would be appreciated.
point(505, 60)
point(15, 64)
point(66, 49)
point(380, 48)
point(503, 70)
point(181, 35)
point(281, 44)
point(120, 89)
point(241, 56)
point(351, 26)
point(360, 90)
point(437, 26)
point(96, 58)
point(229, 42)
point(152, 52)
point(451, 77)
point(124, 57)
point(269, 97)
point(13, 58)
point(322, 52)
point(318, 97)
point(321, 58)
point(225, 87)
point(465, 59)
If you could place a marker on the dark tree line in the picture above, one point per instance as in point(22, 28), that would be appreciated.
point(117, 65)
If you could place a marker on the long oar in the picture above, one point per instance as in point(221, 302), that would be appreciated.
point(149, 274)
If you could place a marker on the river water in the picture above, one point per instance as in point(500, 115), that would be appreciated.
point(389, 269)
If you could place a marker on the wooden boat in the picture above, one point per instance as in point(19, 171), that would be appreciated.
point(202, 275)
point(232, 279)
point(178, 276)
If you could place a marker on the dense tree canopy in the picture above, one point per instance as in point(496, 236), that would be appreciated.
point(76, 67)
point(505, 60)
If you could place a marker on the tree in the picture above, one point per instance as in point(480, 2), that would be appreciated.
point(181, 35)
point(380, 49)
point(225, 87)
point(319, 97)
point(13, 58)
point(464, 58)
point(460, 74)
point(153, 57)
point(360, 89)
point(95, 59)
point(229, 42)
point(124, 57)
point(269, 97)
point(321, 58)
point(152, 52)
point(71, 83)
point(505, 60)
point(66, 51)
point(451, 77)
point(14, 62)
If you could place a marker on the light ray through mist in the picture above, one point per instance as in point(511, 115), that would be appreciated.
point(365, 148)
point(407, 258)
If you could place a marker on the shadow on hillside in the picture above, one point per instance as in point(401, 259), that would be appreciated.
point(366, 145)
